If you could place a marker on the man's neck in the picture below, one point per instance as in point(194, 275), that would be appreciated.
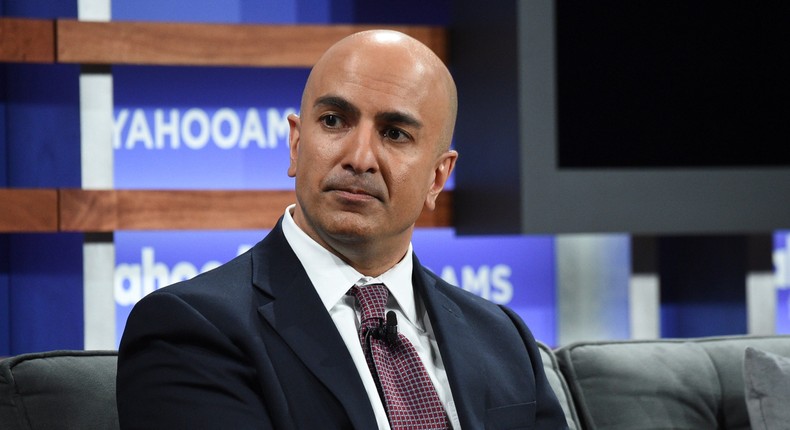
point(368, 256)
point(369, 259)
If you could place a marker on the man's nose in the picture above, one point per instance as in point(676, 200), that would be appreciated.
point(361, 150)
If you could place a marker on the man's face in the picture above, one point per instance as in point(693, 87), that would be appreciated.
point(366, 150)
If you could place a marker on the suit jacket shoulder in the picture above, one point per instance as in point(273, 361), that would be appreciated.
point(246, 345)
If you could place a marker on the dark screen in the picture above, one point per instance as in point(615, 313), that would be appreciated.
point(673, 83)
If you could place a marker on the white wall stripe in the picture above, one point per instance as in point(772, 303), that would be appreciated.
point(644, 302)
point(593, 273)
point(761, 303)
point(96, 108)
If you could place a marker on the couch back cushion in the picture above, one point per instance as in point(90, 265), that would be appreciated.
point(677, 384)
point(58, 389)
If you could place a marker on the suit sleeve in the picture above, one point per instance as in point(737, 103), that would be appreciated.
point(549, 413)
point(178, 370)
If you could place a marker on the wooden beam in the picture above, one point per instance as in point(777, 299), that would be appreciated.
point(88, 210)
point(184, 210)
point(158, 43)
point(28, 210)
point(27, 40)
point(109, 210)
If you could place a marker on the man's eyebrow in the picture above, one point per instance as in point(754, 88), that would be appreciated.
point(398, 118)
point(343, 105)
point(336, 102)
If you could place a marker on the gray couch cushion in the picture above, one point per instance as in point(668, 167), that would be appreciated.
point(59, 390)
point(662, 384)
point(767, 379)
point(559, 385)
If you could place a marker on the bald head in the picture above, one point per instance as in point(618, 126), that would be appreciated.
point(370, 148)
point(389, 56)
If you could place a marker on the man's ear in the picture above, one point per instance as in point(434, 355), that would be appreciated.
point(295, 124)
point(444, 167)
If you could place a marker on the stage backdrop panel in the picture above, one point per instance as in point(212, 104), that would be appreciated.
point(204, 128)
point(227, 128)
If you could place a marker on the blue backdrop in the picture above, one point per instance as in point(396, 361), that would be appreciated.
point(226, 128)
point(782, 271)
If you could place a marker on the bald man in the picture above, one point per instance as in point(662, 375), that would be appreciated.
point(271, 339)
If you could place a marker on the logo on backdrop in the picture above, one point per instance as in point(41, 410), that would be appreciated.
point(202, 148)
point(490, 282)
point(197, 128)
point(133, 281)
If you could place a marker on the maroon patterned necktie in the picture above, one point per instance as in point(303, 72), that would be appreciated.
point(410, 398)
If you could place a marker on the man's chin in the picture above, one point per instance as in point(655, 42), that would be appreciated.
point(350, 233)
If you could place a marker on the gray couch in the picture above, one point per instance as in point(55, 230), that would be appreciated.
point(656, 384)
point(670, 384)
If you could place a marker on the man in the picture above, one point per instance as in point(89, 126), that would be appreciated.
point(270, 339)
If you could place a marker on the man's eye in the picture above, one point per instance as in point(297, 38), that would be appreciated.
point(331, 121)
point(394, 134)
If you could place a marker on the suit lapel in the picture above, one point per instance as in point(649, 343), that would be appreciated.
point(297, 314)
point(462, 363)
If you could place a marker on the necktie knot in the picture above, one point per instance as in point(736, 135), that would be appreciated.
point(372, 301)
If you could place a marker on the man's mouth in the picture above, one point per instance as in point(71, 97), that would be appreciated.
point(354, 194)
point(354, 190)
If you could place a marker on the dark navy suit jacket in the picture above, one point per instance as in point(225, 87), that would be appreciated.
point(250, 345)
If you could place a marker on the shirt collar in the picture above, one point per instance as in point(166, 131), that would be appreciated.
point(332, 277)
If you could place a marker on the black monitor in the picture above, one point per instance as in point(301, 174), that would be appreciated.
point(653, 117)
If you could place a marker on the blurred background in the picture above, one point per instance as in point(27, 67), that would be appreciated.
point(624, 168)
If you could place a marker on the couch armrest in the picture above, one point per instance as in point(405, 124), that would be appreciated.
point(59, 389)
point(559, 385)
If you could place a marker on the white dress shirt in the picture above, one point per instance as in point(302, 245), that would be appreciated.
point(332, 278)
